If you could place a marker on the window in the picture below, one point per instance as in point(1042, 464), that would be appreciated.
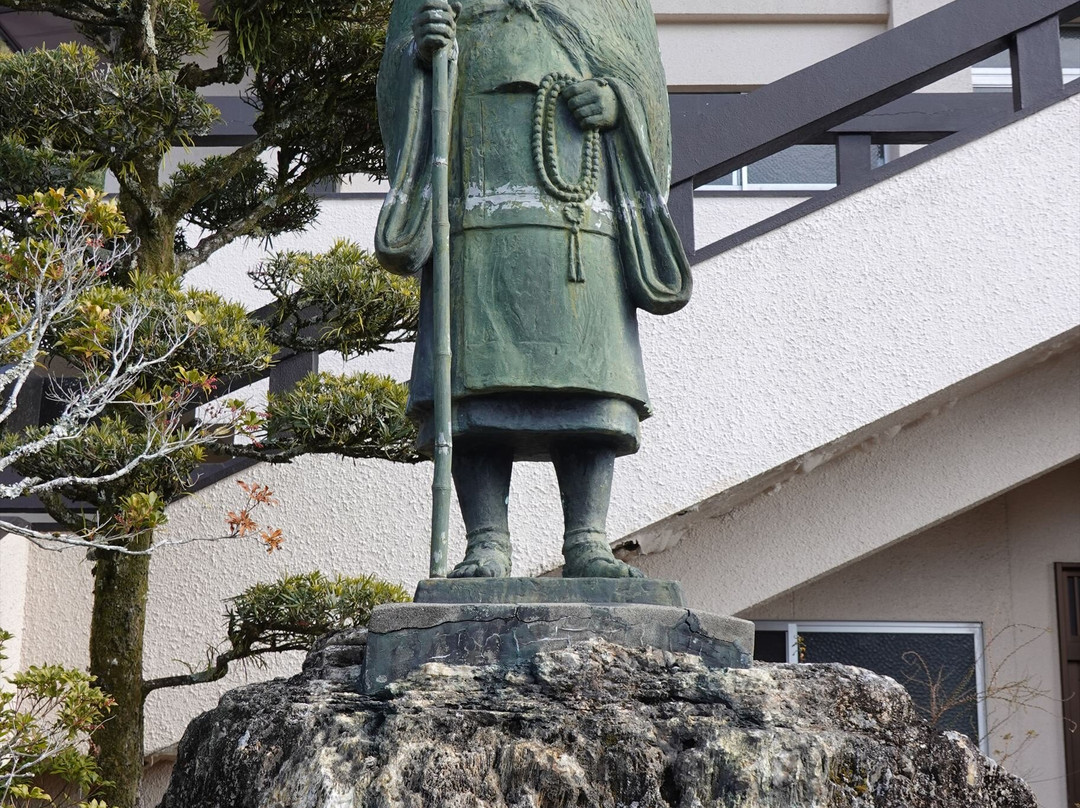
point(994, 75)
point(799, 168)
point(940, 664)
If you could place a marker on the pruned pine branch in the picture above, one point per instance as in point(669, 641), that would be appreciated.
point(210, 176)
point(44, 280)
point(96, 391)
point(123, 113)
point(291, 614)
point(128, 539)
point(359, 416)
point(47, 279)
point(194, 76)
point(243, 226)
point(341, 300)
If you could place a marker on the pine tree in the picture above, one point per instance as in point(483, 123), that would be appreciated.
point(121, 103)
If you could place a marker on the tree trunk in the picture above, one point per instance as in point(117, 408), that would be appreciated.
point(116, 659)
point(121, 581)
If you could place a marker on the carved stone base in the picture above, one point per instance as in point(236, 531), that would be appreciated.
point(404, 636)
point(550, 590)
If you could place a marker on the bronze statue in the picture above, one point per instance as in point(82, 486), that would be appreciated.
point(559, 163)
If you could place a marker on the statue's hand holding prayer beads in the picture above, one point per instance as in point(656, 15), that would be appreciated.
point(559, 167)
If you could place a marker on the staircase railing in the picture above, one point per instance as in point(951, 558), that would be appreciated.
point(833, 100)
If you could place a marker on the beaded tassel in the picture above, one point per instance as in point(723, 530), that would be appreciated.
point(575, 214)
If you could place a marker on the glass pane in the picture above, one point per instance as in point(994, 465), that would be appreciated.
point(1070, 47)
point(725, 181)
point(799, 165)
point(770, 646)
point(999, 59)
point(877, 155)
point(938, 670)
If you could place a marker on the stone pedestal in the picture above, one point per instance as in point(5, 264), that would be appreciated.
point(641, 591)
point(507, 621)
point(595, 725)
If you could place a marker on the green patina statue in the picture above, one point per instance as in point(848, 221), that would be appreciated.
point(559, 163)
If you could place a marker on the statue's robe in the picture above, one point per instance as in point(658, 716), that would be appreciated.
point(543, 320)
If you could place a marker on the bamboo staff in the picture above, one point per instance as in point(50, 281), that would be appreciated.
point(440, 216)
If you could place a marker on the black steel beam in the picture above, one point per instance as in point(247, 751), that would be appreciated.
point(289, 370)
point(1036, 63)
point(922, 118)
point(681, 208)
point(853, 158)
point(918, 118)
point(860, 79)
point(5, 36)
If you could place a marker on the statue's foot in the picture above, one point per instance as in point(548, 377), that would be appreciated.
point(588, 555)
point(487, 556)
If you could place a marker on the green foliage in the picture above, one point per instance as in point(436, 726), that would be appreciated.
point(65, 247)
point(31, 167)
point(226, 342)
point(293, 612)
point(308, 66)
point(241, 196)
point(46, 716)
point(110, 116)
point(218, 337)
point(181, 340)
point(356, 416)
point(315, 55)
point(257, 26)
point(341, 300)
point(110, 443)
point(180, 30)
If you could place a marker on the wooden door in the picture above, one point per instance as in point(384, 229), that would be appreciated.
point(1068, 598)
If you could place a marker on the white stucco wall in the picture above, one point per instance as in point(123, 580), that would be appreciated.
point(719, 215)
point(14, 561)
point(831, 513)
point(992, 565)
point(745, 55)
point(742, 10)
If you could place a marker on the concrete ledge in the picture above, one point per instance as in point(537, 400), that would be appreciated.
point(404, 636)
point(830, 11)
point(550, 590)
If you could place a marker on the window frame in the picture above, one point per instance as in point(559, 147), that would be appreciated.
point(990, 79)
point(793, 627)
point(740, 183)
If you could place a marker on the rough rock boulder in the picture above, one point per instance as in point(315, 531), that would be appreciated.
point(595, 726)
